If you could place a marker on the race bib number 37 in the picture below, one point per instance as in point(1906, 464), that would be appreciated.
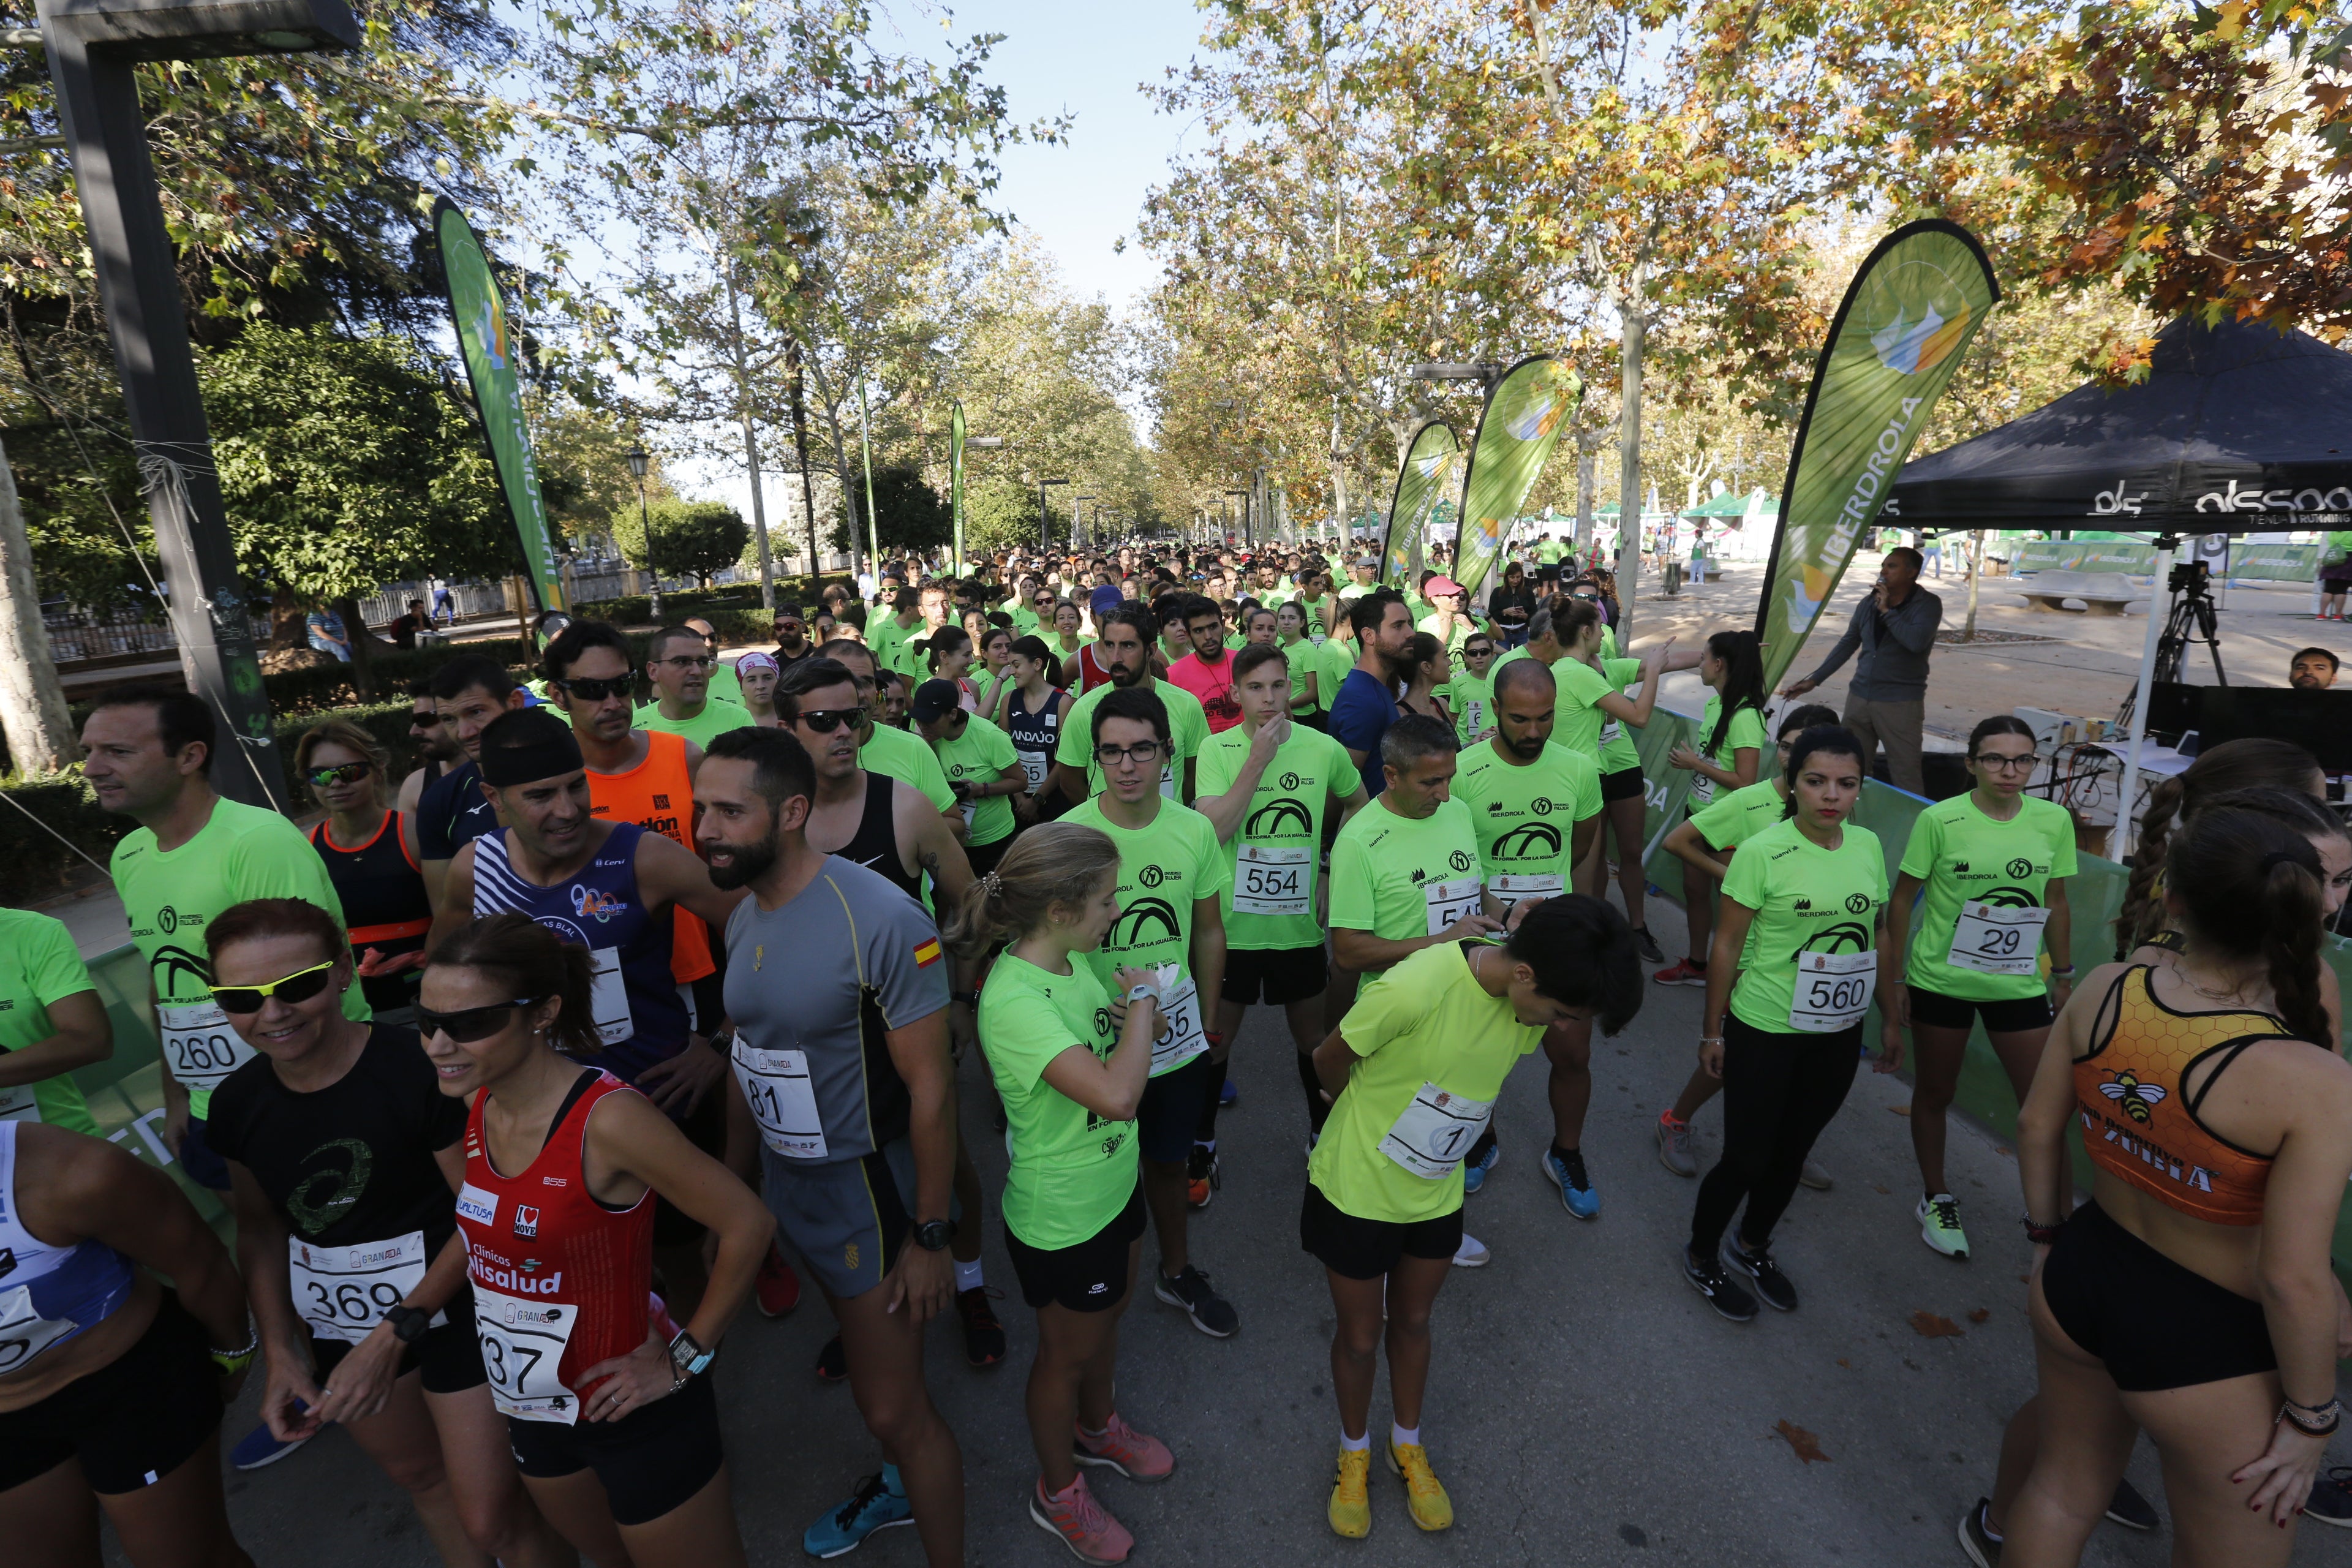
point(522, 1351)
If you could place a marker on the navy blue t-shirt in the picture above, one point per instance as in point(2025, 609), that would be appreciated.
point(1360, 714)
point(452, 813)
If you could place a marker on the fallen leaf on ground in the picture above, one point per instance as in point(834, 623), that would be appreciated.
point(1900, 1109)
point(1843, 1361)
point(1981, 1315)
point(1932, 1327)
point(1808, 1446)
point(1879, 1190)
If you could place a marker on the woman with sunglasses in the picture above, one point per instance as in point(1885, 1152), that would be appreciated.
point(369, 851)
point(343, 1159)
point(1993, 864)
point(608, 1402)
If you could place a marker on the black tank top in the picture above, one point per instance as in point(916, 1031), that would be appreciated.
point(1034, 734)
point(875, 845)
point(384, 903)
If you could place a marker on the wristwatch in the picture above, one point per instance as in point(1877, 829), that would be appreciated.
point(933, 1235)
point(408, 1323)
point(686, 1357)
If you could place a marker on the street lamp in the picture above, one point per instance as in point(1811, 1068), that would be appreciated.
point(1076, 502)
point(1244, 500)
point(1044, 525)
point(638, 462)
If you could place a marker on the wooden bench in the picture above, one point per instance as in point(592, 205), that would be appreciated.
point(2101, 593)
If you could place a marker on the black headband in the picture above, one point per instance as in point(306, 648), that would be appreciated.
point(551, 757)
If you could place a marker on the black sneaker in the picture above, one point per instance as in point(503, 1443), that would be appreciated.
point(1647, 945)
point(2133, 1512)
point(1709, 1279)
point(983, 1336)
point(1770, 1283)
point(833, 1361)
point(1211, 1313)
point(2331, 1499)
point(1982, 1549)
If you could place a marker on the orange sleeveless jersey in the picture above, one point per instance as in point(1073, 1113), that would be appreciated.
point(2138, 1124)
point(658, 794)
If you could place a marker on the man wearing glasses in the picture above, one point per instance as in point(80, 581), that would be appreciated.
point(677, 662)
point(791, 637)
point(436, 748)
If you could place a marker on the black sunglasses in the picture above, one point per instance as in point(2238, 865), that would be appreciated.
point(424, 720)
point(826, 720)
point(467, 1024)
point(589, 689)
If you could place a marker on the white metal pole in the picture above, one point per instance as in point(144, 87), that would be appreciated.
point(2119, 843)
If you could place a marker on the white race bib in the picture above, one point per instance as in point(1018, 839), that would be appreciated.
point(199, 1044)
point(1610, 730)
point(608, 997)
point(968, 808)
point(1702, 789)
point(1271, 880)
point(522, 1351)
point(1991, 940)
point(1510, 891)
point(1182, 1038)
point(783, 1102)
point(1474, 719)
point(1833, 991)
point(342, 1292)
point(1433, 1132)
point(18, 1104)
point(1451, 901)
point(1033, 767)
point(1168, 779)
point(24, 1333)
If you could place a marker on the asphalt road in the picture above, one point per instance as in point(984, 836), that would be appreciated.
point(1586, 1406)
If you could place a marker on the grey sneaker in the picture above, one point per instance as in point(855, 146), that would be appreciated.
point(1813, 1176)
point(1674, 1146)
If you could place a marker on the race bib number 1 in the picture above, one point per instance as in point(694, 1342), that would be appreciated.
point(201, 1048)
point(1269, 879)
point(1433, 1132)
point(1991, 940)
point(1833, 991)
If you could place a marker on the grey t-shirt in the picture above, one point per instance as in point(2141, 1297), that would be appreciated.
point(812, 986)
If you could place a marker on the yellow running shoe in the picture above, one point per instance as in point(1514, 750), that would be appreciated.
point(1432, 1508)
point(1351, 1502)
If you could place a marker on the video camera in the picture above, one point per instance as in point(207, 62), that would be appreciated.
point(2188, 577)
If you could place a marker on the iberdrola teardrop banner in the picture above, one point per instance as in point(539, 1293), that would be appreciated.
point(955, 479)
point(1525, 413)
point(1426, 473)
point(486, 342)
point(1908, 317)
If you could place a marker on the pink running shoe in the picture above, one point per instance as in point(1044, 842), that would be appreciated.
point(1126, 1450)
point(1084, 1526)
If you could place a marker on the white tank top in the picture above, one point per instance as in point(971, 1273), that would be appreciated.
point(49, 1294)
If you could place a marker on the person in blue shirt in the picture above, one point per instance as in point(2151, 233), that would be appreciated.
point(1366, 703)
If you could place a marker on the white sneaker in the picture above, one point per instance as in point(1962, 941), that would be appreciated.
point(1813, 1176)
point(1472, 1253)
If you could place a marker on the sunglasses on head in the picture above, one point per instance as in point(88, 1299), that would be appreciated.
point(298, 986)
point(346, 773)
point(826, 720)
point(467, 1024)
point(589, 689)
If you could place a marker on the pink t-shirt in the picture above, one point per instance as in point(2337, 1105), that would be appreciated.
point(1213, 685)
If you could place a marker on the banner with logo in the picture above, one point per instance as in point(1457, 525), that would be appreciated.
point(1906, 319)
point(486, 341)
point(1525, 417)
point(1426, 473)
point(955, 479)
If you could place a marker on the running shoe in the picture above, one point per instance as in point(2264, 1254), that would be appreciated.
point(1202, 1177)
point(1647, 945)
point(1472, 1253)
point(1084, 1525)
point(2331, 1499)
point(1228, 1092)
point(260, 1449)
point(1674, 1145)
point(1685, 972)
point(833, 1361)
point(1211, 1313)
point(1473, 1172)
point(1710, 1278)
point(1939, 1225)
point(1425, 1494)
point(1123, 1448)
point(1982, 1549)
point(1813, 1176)
point(776, 1288)
point(1577, 1192)
point(2133, 1512)
point(983, 1336)
point(874, 1505)
point(1350, 1512)
point(1770, 1283)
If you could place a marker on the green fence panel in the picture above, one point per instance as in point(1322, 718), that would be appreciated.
point(2085, 556)
point(126, 1091)
point(2274, 562)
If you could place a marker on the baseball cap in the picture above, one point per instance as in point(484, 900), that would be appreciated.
point(934, 700)
point(1440, 586)
point(1104, 599)
point(1367, 561)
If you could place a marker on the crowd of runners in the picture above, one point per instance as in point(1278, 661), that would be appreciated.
point(644, 997)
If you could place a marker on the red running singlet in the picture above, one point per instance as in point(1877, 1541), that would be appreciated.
point(561, 1282)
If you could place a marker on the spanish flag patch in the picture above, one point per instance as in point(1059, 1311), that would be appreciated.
point(927, 954)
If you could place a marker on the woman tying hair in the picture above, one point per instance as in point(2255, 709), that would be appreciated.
point(343, 1160)
point(2193, 1296)
point(2254, 763)
point(608, 1404)
point(1431, 667)
point(1733, 724)
point(1070, 1063)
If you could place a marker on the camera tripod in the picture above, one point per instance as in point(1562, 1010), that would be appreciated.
point(2192, 619)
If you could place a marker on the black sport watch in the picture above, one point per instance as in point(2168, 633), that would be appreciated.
point(933, 1235)
point(408, 1323)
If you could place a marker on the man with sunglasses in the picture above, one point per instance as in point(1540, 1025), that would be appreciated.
point(1127, 643)
point(147, 753)
point(678, 662)
point(435, 746)
point(792, 638)
point(890, 748)
point(469, 691)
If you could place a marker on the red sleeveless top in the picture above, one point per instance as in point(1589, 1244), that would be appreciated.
point(561, 1282)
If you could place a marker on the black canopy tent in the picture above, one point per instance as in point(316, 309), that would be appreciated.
point(2238, 429)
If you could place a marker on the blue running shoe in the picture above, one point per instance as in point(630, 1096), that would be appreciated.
point(877, 1504)
point(1473, 1172)
point(1577, 1194)
point(1228, 1092)
point(259, 1448)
